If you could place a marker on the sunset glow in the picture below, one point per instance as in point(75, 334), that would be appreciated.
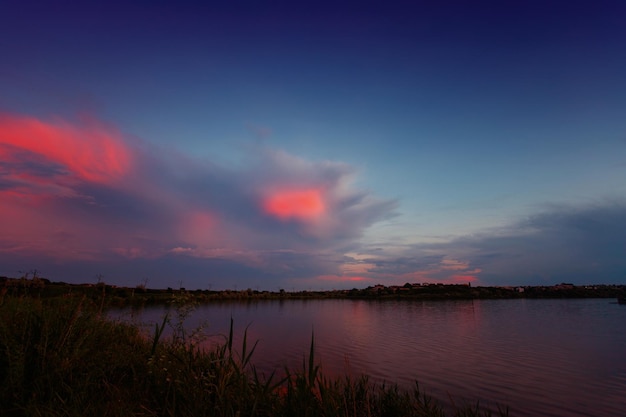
point(343, 278)
point(90, 153)
point(196, 227)
point(462, 279)
point(301, 205)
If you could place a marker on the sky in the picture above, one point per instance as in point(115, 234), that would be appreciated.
point(313, 145)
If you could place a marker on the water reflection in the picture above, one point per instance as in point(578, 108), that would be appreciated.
point(541, 357)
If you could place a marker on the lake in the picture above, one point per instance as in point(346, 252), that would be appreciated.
point(554, 357)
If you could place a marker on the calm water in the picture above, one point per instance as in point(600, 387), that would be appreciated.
point(539, 357)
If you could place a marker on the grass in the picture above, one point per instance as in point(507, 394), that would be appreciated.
point(62, 357)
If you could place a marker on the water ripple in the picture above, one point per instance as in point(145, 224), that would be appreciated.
point(539, 357)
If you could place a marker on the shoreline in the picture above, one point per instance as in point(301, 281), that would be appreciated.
point(139, 295)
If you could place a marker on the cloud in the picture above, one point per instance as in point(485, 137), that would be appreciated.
point(559, 244)
point(80, 198)
point(89, 151)
point(295, 204)
point(420, 267)
point(81, 193)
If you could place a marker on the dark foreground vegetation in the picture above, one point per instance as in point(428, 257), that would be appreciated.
point(60, 356)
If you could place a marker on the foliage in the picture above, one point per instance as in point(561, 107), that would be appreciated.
point(111, 295)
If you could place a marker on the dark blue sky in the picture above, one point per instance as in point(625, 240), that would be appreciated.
point(314, 145)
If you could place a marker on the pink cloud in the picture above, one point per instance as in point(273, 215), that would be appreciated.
point(444, 271)
point(462, 279)
point(342, 278)
point(90, 152)
point(295, 204)
point(196, 227)
point(336, 281)
point(50, 173)
point(80, 191)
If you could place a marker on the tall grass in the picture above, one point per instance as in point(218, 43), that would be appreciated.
point(60, 357)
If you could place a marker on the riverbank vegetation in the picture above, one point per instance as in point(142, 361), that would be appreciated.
point(61, 356)
point(31, 284)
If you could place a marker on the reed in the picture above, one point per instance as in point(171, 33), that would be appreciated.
point(60, 357)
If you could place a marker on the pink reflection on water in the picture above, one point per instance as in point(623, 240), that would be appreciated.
point(540, 357)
